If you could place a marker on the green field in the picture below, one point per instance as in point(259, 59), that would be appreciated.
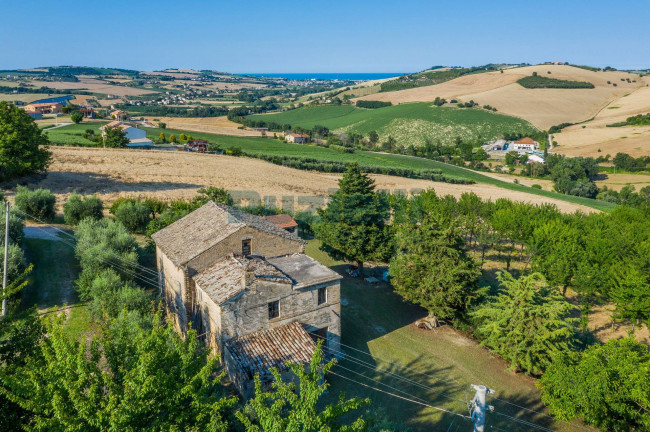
point(387, 352)
point(72, 134)
point(408, 123)
point(273, 147)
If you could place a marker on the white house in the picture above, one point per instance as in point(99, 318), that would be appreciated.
point(535, 158)
point(525, 144)
point(137, 137)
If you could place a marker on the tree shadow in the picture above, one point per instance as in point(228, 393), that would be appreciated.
point(88, 183)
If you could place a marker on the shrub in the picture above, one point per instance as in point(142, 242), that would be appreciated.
point(536, 186)
point(372, 104)
point(76, 117)
point(16, 232)
point(134, 216)
point(78, 208)
point(15, 262)
point(38, 204)
point(110, 295)
point(535, 81)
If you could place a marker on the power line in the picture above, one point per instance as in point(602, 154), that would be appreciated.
point(524, 422)
point(398, 396)
point(545, 415)
point(122, 268)
point(144, 269)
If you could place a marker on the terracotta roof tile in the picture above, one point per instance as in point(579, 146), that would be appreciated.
point(258, 352)
point(282, 220)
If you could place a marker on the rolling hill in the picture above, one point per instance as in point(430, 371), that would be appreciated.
point(407, 123)
point(542, 107)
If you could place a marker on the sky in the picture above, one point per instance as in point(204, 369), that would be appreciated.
point(323, 36)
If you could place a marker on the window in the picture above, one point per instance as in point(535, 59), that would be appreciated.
point(274, 309)
point(246, 247)
point(322, 295)
point(320, 335)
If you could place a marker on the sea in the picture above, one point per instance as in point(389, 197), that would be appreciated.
point(342, 76)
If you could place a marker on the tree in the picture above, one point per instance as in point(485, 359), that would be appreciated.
point(162, 125)
point(431, 267)
point(129, 379)
point(527, 323)
point(182, 137)
point(353, 225)
point(133, 215)
point(23, 145)
point(115, 137)
point(76, 117)
point(556, 250)
point(77, 208)
point(606, 386)
point(373, 137)
point(631, 285)
point(291, 407)
point(172, 138)
point(161, 137)
point(212, 193)
point(37, 204)
point(512, 157)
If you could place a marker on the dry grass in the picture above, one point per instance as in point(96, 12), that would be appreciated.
point(22, 97)
point(111, 173)
point(634, 140)
point(94, 85)
point(217, 125)
point(617, 181)
point(542, 107)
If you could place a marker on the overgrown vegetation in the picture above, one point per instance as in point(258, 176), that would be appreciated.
point(536, 81)
point(637, 120)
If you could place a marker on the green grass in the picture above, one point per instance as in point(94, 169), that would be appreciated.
point(410, 123)
point(377, 328)
point(537, 82)
point(280, 148)
point(51, 284)
point(72, 134)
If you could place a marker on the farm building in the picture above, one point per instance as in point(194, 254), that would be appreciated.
point(497, 145)
point(132, 132)
point(44, 108)
point(120, 115)
point(533, 158)
point(297, 138)
point(284, 221)
point(525, 144)
point(246, 284)
point(87, 112)
point(200, 146)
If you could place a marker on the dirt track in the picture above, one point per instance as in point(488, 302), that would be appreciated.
point(111, 173)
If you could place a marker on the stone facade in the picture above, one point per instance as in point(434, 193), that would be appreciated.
point(239, 275)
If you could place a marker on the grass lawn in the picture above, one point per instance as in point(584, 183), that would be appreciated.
point(72, 134)
point(435, 367)
point(409, 123)
point(51, 282)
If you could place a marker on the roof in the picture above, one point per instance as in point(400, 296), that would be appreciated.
point(282, 220)
point(140, 142)
point(303, 270)
point(526, 140)
point(116, 124)
point(295, 135)
point(224, 280)
point(43, 104)
point(256, 353)
point(205, 227)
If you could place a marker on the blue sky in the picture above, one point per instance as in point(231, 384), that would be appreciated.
point(322, 36)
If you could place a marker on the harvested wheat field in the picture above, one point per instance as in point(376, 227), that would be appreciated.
point(542, 107)
point(217, 125)
point(617, 181)
point(634, 140)
point(111, 173)
point(96, 86)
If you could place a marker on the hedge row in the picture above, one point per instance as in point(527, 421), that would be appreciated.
point(339, 167)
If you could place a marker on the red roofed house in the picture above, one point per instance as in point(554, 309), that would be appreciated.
point(525, 144)
point(285, 222)
point(120, 115)
point(297, 138)
point(44, 108)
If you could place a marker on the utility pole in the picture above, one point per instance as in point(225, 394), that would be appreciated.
point(4, 273)
point(480, 407)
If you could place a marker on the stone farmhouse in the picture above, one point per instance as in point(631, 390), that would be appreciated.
point(297, 138)
point(246, 286)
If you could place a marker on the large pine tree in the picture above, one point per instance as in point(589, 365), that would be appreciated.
point(527, 323)
point(432, 268)
point(353, 225)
